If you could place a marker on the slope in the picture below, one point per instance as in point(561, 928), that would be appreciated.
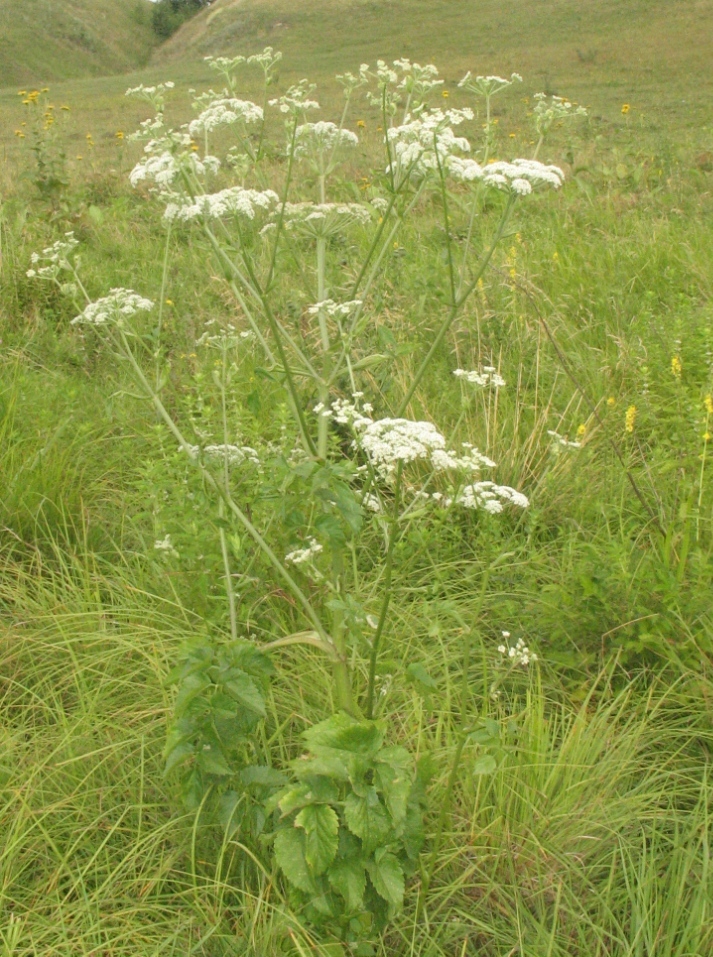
point(47, 40)
point(603, 52)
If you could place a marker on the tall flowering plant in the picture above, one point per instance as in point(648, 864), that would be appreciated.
point(345, 820)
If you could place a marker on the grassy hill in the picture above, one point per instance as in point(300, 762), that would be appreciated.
point(604, 52)
point(46, 40)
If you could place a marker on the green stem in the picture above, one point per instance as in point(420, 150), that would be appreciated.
point(387, 596)
point(455, 309)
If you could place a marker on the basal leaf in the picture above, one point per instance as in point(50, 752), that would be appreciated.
point(243, 689)
point(348, 879)
point(290, 857)
point(320, 824)
point(387, 877)
point(367, 819)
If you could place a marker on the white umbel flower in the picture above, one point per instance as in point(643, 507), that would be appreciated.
point(387, 442)
point(232, 201)
point(522, 175)
point(119, 305)
point(322, 136)
point(302, 556)
point(225, 112)
point(491, 497)
point(488, 377)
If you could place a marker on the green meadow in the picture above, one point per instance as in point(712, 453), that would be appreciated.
point(566, 802)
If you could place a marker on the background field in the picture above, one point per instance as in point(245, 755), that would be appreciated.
point(593, 837)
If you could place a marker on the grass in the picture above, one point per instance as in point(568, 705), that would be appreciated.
point(42, 41)
point(592, 838)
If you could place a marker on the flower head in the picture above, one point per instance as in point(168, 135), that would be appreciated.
point(119, 305)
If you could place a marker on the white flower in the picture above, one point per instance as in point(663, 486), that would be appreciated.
point(164, 167)
point(322, 137)
point(389, 441)
point(522, 175)
point(337, 310)
point(559, 442)
point(423, 143)
point(225, 112)
point(301, 556)
point(320, 220)
point(519, 653)
point(296, 100)
point(488, 85)
point(464, 168)
point(488, 377)
point(490, 497)
point(166, 545)
point(119, 305)
point(57, 257)
point(234, 200)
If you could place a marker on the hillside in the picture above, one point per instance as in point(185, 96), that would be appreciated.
point(656, 51)
point(47, 40)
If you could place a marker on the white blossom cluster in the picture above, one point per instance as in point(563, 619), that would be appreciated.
point(560, 442)
point(162, 168)
point(235, 200)
point(165, 545)
point(387, 442)
point(425, 142)
point(336, 310)
point(119, 305)
point(54, 258)
point(488, 377)
point(490, 497)
point(470, 460)
point(297, 99)
point(347, 413)
point(302, 556)
point(322, 137)
point(225, 112)
point(155, 95)
point(319, 220)
point(556, 108)
point(417, 81)
point(519, 653)
point(151, 127)
point(227, 336)
point(522, 175)
point(233, 454)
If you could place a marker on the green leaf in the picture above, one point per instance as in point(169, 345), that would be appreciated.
point(191, 687)
point(243, 689)
point(387, 877)
point(212, 761)
point(320, 824)
point(178, 755)
point(344, 733)
point(290, 857)
point(367, 819)
point(260, 776)
point(485, 764)
point(417, 675)
point(395, 785)
point(348, 879)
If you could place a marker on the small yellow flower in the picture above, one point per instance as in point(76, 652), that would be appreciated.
point(169, 302)
point(581, 430)
point(45, 89)
point(79, 156)
point(555, 257)
point(676, 367)
point(611, 401)
point(630, 418)
point(708, 403)
point(379, 129)
point(361, 124)
point(445, 94)
point(706, 436)
point(65, 108)
point(512, 135)
point(194, 147)
point(625, 109)
point(119, 134)
point(513, 273)
point(22, 92)
point(481, 285)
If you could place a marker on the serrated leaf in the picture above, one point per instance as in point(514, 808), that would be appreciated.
point(387, 877)
point(260, 776)
point(178, 755)
point(320, 824)
point(191, 687)
point(244, 690)
point(344, 733)
point(348, 879)
point(485, 764)
point(395, 785)
point(290, 857)
point(367, 819)
point(327, 765)
point(211, 760)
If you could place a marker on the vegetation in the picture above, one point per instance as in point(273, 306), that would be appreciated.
point(243, 713)
point(168, 15)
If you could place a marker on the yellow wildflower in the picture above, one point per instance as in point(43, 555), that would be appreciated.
point(630, 418)
point(581, 430)
point(169, 302)
point(119, 134)
point(676, 367)
point(611, 401)
point(708, 403)
point(625, 109)
point(445, 94)
point(361, 124)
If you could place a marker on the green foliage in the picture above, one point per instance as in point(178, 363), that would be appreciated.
point(350, 825)
point(220, 702)
point(168, 15)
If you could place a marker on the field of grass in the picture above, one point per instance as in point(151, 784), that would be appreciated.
point(580, 823)
point(42, 41)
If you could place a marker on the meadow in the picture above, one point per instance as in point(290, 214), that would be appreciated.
point(156, 595)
